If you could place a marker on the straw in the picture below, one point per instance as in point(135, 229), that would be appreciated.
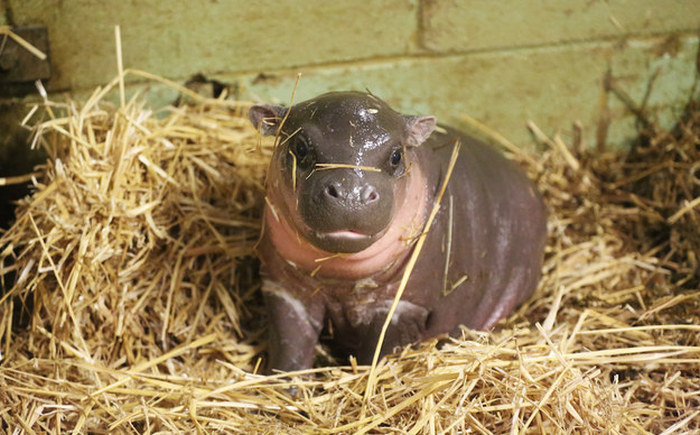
point(132, 299)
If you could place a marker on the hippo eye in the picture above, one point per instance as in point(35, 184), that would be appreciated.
point(301, 150)
point(395, 157)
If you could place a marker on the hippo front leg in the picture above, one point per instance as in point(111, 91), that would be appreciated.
point(293, 332)
point(407, 326)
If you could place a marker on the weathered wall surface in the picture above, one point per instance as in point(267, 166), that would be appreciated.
point(502, 63)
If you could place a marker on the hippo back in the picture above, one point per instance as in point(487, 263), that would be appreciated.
point(493, 222)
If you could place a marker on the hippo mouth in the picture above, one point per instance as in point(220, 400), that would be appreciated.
point(343, 241)
point(349, 234)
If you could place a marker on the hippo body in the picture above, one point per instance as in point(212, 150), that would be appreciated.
point(337, 237)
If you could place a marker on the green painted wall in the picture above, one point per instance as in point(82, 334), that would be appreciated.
point(502, 62)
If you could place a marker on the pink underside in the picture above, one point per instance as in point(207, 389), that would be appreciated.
point(407, 221)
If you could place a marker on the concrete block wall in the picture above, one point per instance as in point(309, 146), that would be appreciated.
point(502, 62)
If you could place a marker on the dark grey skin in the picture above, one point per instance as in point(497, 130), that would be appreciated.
point(392, 167)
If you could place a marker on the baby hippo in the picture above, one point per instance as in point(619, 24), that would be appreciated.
point(350, 187)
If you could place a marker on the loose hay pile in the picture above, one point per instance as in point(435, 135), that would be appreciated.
point(132, 303)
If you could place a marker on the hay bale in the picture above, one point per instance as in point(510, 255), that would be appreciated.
point(132, 302)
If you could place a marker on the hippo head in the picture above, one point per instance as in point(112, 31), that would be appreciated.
point(339, 165)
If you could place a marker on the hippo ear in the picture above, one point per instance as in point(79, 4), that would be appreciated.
point(419, 129)
point(266, 118)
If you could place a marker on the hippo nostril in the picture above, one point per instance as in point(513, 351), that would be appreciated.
point(369, 195)
point(332, 191)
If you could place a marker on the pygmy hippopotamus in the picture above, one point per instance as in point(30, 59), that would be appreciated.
point(349, 189)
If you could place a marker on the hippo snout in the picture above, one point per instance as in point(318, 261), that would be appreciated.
point(344, 196)
point(346, 211)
